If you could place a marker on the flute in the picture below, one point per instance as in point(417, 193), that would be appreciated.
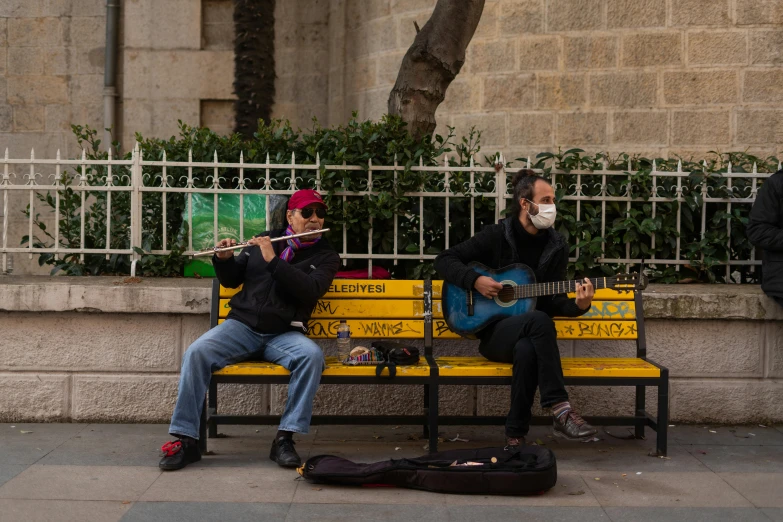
point(210, 251)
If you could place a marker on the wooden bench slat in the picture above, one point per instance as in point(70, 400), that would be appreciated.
point(567, 329)
point(572, 367)
point(404, 289)
point(607, 294)
point(368, 329)
point(375, 289)
point(362, 289)
point(595, 329)
point(363, 308)
point(333, 369)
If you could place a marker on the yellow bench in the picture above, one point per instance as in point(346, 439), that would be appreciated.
point(374, 309)
point(411, 310)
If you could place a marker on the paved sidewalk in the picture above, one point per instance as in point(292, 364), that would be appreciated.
point(109, 472)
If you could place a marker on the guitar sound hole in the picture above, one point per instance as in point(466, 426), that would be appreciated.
point(507, 294)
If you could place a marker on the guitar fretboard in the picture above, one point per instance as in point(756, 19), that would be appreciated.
point(557, 287)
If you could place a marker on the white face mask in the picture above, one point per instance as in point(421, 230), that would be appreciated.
point(545, 217)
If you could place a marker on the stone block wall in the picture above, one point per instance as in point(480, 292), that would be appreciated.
point(658, 77)
point(99, 349)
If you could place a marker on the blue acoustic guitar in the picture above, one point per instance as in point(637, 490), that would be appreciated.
point(467, 312)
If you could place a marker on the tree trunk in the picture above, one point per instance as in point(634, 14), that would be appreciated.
point(254, 63)
point(432, 63)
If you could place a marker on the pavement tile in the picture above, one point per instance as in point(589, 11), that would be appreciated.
point(80, 482)
point(763, 489)
point(653, 514)
point(663, 489)
point(743, 459)
point(111, 445)
point(526, 513)
point(190, 511)
point(25, 444)
point(203, 483)
point(569, 491)
point(608, 457)
point(775, 514)
point(701, 434)
point(8, 472)
point(308, 493)
point(13, 510)
point(367, 513)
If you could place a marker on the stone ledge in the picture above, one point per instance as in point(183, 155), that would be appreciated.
point(191, 296)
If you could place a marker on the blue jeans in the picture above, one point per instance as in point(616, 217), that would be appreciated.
point(232, 342)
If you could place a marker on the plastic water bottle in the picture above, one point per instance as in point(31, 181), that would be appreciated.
point(343, 341)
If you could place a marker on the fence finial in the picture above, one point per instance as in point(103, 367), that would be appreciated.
point(58, 154)
point(755, 169)
point(190, 155)
point(32, 154)
point(241, 156)
point(317, 159)
point(164, 155)
point(654, 166)
point(215, 156)
point(267, 158)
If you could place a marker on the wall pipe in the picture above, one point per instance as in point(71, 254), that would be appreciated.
point(110, 71)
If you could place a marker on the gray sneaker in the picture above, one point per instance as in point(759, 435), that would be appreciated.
point(573, 427)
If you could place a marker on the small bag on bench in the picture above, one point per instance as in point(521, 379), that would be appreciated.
point(395, 354)
point(488, 471)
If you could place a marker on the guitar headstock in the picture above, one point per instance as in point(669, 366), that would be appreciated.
point(632, 282)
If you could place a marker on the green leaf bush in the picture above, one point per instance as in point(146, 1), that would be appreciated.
point(628, 231)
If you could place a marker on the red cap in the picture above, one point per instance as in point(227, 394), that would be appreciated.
point(302, 198)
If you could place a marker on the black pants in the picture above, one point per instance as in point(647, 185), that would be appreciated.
point(529, 341)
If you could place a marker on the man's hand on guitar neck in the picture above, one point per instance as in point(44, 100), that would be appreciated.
point(488, 287)
point(584, 294)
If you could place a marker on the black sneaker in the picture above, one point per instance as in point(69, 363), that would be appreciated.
point(571, 426)
point(179, 453)
point(284, 454)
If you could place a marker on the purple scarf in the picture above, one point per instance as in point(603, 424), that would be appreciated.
point(294, 244)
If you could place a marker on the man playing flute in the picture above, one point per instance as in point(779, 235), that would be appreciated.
point(282, 282)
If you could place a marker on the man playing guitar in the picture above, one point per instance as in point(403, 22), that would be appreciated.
point(529, 340)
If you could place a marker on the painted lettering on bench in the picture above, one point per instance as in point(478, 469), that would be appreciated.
point(385, 328)
point(606, 329)
point(326, 307)
point(610, 309)
point(365, 328)
point(441, 327)
point(353, 288)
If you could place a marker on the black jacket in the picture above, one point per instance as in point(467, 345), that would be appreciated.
point(276, 293)
point(495, 247)
point(765, 230)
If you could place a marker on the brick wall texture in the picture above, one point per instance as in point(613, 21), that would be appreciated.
point(659, 77)
point(652, 77)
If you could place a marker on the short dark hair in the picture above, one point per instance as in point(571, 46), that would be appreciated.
point(522, 186)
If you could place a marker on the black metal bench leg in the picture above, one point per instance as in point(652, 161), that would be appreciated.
point(212, 409)
point(433, 417)
point(640, 407)
point(426, 410)
point(202, 429)
point(663, 414)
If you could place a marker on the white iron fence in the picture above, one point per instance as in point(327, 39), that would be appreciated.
point(22, 183)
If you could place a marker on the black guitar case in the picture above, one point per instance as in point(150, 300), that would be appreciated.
point(495, 471)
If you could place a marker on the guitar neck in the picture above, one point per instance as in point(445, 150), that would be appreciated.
point(559, 287)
